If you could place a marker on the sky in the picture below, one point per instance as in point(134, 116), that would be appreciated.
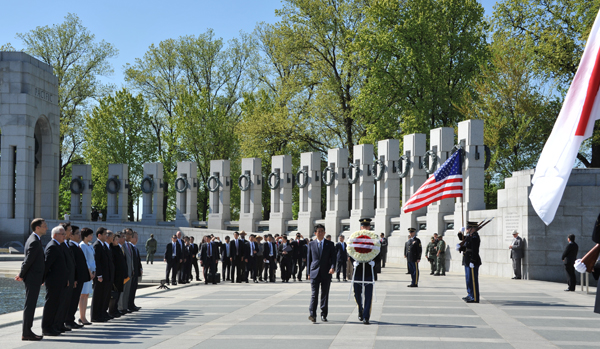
point(132, 26)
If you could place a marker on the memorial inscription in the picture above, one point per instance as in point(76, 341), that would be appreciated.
point(42, 94)
point(511, 223)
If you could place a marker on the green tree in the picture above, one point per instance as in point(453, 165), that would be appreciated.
point(311, 72)
point(7, 47)
point(77, 60)
point(422, 56)
point(118, 131)
point(199, 75)
point(555, 33)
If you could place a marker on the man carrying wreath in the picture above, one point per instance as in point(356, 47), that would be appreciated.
point(363, 248)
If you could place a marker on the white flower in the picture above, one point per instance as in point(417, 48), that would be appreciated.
point(363, 239)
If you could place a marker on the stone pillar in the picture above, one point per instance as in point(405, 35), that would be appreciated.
point(251, 199)
point(388, 187)
point(337, 192)
point(441, 142)
point(364, 187)
point(152, 212)
point(30, 141)
point(310, 196)
point(281, 197)
point(219, 210)
point(414, 149)
point(186, 186)
point(81, 204)
point(118, 180)
point(470, 136)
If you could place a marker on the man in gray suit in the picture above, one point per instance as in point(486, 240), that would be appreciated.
point(516, 254)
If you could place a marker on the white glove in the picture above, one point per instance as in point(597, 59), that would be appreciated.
point(371, 263)
point(458, 247)
point(462, 229)
point(471, 265)
point(580, 267)
point(355, 264)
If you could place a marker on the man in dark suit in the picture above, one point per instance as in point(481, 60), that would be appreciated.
point(298, 258)
point(172, 258)
point(285, 250)
point(209, 253)
point(101, 281)
point(138, 271)
point(568, 257)
point(120, 263)
point(251, 254)
point(184, 257)
point(270, 259)
point(65, 299)
point(226, 259)
point(56, 280)
point(237, 247)
point(111, 274)
point(342, 257)
point(321, 265)
point(32, 274)
point(194, 249)
point(82, 275)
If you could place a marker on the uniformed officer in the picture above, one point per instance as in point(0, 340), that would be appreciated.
point(364, 309)
point(430, 252)
point(413, 256)
point(472, 261)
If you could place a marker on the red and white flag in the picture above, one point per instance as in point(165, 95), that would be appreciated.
point(445, 183)
point(574, 124)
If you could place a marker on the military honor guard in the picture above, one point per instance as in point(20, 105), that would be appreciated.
point(471, 261)
point(414, 250)
point(364, 274)
point(440, 257)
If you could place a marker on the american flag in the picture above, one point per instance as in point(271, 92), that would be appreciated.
point(445, 183)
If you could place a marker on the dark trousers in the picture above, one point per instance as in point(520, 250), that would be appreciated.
point(132, 291)
point(270, 270)
point(366, 307)
point(195, 265)
point(286, 268)
point(383, 259)
point(301, 264)
point(107, 292)
point(340, 267)
point(238, 269)
point(209, 267)
point(314, 297)
point(413, 268)
point(516, 262)
point(181, 271)
point(74, 303)
point(571, 279)
point(472, 278)
point(53, 295)
point(32, 292)
point(259, 267)
point(251, 269)
point(226, 269)
point(113, 305)
point(172, 269)
point(97, 300)
point(65, 305)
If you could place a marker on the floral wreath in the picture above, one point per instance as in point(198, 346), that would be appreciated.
point(363, 246)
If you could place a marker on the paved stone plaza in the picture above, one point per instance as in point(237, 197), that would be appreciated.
point(513, 313)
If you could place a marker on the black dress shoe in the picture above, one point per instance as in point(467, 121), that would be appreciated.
point(115, 315)
point(64, 328)
point(137, 308)
point(174, 284)
point(431, 273)
point(51, 333)
point(472, 301)
point(31, 337)
point(98, 320)
point(323, 318)
point(412, 286)
point(567, 290)
point(73, 325)
point(312, 318)
point(365, 321)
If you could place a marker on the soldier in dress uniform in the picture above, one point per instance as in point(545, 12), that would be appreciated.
point(471, 261)
point(440, 257)
point(364, 309)
point(413, 256)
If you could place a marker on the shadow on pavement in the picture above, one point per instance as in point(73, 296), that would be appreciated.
point(381, 323)
point(514, 303)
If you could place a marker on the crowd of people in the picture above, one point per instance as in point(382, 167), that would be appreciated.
point(246, 258)
point(70, 268)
